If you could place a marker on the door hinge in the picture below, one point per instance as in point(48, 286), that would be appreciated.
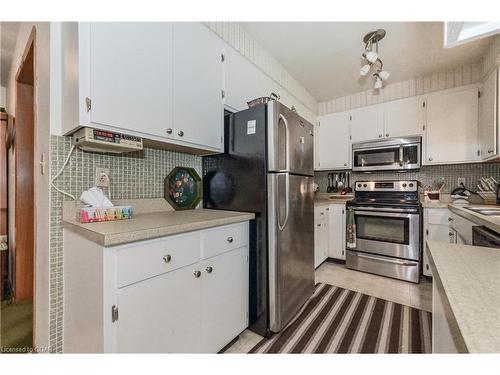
point(222, 57)
point(350, 137)
point(247, 258)
point(478, 152)
point(423, 127)
point(478, 94)
point(221, 140)
point(350, 118)
point(88, 103)
point(423, 104)
point(427, 232)
point(42, 164)
point(114, 314)
point(223, 93)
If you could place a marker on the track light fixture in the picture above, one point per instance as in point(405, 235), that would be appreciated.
point(372, 59)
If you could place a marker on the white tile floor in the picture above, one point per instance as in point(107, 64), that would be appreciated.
point(415, 295)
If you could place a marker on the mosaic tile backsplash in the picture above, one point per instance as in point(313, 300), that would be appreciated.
point(136, 175)
point(427, 175)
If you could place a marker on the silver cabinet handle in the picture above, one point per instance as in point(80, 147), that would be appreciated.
point(450, 234)
point(169, 131)
point(209, 269)
point(180, 133)
point(430, 159)
point(345, 164)
point(167, 258)
point(319, 225)
point(380, 135)
point(386, 134)
point(450, 219)
point(230, 239)
point(197, 274)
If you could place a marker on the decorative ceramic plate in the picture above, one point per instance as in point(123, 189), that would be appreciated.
point(183, 188)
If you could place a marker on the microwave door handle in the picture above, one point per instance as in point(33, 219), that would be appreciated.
point(401, 162)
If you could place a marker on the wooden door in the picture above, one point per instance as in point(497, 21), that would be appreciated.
point(332, 141)
point(24, 244)
point(161, 314)
point(367, 123)
point(224, 299)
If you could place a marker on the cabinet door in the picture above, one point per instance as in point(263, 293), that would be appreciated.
point(320, 242)
point(488, 126)
point(197, 85)
point(161, 314)
point(337, 228)
point(130, 74)
point(367, 123)
point(332, 141)
point(451, 132)
point(224, 299)
point(443, 233)
point(404, 117)
point(244, 81)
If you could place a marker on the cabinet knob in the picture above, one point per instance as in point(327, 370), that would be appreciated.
point(450, 219)
point(430, 159)
point(427, 266)
point(319, 225)
point(345, 164)
point(180, 133)
point(230, 239)
point(167, 258)
point(490, 151)
point(169, 131)
point(197, 274)
point(209, 269)
point(386, 134)
point(450, 234)
point(380, 135)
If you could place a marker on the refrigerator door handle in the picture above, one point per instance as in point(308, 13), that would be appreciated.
point(287, 143)
point(287, 202)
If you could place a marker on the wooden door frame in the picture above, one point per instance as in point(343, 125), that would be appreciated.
point(21, 81)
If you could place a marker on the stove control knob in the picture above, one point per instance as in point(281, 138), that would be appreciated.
point(404, 185)
point(411, 185)
point(365, 185)
point(359, 185)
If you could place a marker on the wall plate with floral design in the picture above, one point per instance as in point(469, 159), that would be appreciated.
point(183, 188)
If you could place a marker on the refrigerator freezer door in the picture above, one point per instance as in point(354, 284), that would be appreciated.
point(289, 141)
point(291, 245)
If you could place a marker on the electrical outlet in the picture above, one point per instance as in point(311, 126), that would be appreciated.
point(102, 177)
point(461, 180)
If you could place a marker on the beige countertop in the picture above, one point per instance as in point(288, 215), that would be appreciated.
point(147, 225)
point(330, 198)
point(490, 222)
point(470, 279)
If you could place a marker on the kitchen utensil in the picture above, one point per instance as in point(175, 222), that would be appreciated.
point(329, 188)
point(263, 100)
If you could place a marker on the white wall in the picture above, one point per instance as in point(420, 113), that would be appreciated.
point(3, 96)
point(42, 100)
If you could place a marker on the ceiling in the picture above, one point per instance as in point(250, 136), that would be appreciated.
point(325, 57)
point(8, 32)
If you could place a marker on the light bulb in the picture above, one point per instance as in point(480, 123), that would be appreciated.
point(384, 75)
point(372, 56)
point(365, 69)
point(378, 83)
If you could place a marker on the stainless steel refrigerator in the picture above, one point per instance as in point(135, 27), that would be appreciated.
point(267, 168)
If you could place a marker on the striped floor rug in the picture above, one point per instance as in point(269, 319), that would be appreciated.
point(337, 320)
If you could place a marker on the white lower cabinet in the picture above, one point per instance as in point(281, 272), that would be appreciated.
point(337, 231)
point(321, 234)
point(185, 293)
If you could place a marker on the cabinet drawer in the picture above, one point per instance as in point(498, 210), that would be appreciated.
point(437, 215)
point(150, 258)
point(221, 239)
point(321, 212)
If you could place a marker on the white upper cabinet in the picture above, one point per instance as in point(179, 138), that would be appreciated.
point(488, 120)
point(129, 76)
point(451, 129)
point(404, 117)
point(197, 85)
point(332, 141)
point(367, 123)
point(158, 80)
point(244, 81)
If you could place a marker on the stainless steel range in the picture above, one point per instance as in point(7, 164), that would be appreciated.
point(384, 229)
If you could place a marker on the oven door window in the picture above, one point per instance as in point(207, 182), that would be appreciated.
point(383, 228)
point(379, 157)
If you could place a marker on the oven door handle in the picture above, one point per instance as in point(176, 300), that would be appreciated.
point(386, 260)
point(384, 214)
point(381, 209)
